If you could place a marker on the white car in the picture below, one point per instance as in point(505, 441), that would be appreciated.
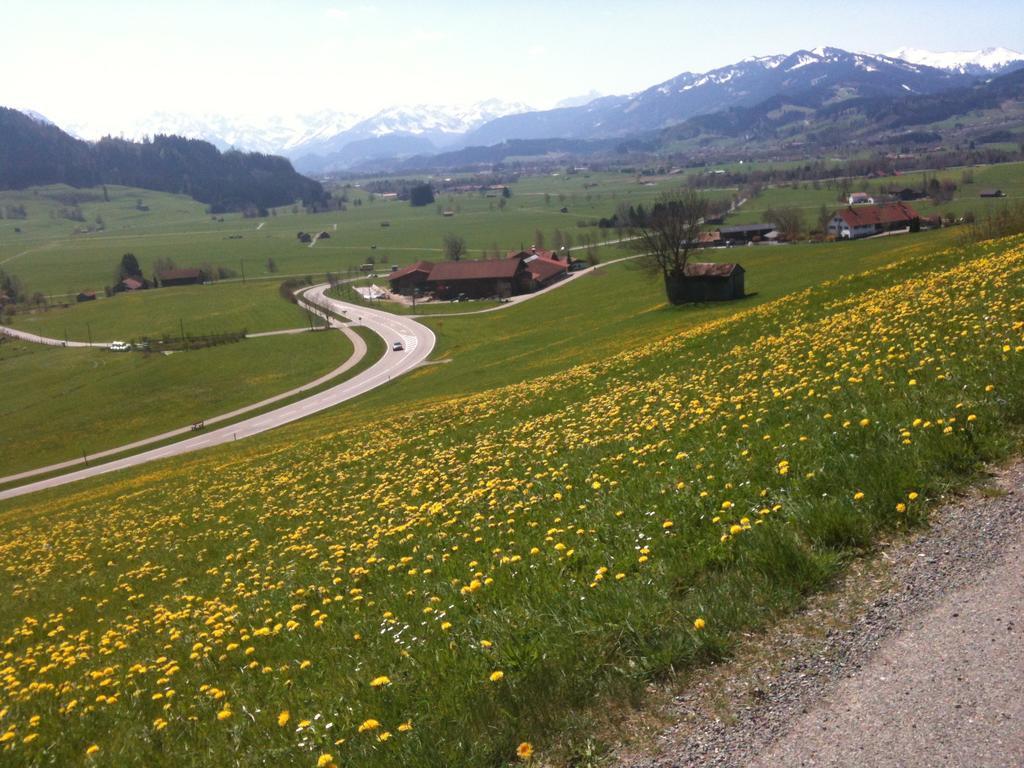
point(397, 346)
point(119, 346)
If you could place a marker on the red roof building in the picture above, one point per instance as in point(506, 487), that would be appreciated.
point(409, 279)
point(865, 220)
point(479, 279)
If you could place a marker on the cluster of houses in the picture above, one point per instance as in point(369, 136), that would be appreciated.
point(164, 279)
point(519, 272)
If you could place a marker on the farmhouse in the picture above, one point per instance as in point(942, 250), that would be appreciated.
point(860, 198)
point(479, 279)
point(130, 284)
point(991, 193)
point(86, 296)
point(708, 282)
point(866, 220)
point(410, 279)
point(544, 271)
point(169, 277)
point(745, 233)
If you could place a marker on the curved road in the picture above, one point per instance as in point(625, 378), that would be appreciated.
point(417, 339)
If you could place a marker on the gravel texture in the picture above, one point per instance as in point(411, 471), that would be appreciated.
point(925, 669)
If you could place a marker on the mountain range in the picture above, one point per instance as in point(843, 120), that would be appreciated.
point(330, 140)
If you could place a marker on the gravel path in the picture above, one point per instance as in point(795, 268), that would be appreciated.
point(927, 672)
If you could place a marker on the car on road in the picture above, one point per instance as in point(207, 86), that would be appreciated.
point(397, 346)
point(577, 266)
point(119, 346)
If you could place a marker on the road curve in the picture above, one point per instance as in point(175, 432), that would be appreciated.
point(417, 339)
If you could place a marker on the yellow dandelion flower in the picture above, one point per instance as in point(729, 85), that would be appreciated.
point(325, 760)
point(283, 718)
point(406, 726)
point(524, 751)
point(699, 623)
point(497, 676)
point(380, 682)
point(224, 714)
point(92, 750)
point(368, 725)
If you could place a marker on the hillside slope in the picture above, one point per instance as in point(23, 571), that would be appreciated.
point(370, 594)
point(37, 153)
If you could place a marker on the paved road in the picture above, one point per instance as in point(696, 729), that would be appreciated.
point(417, 339)
point(6, 330)
point(946, 691)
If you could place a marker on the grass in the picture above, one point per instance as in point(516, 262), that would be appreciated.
point(62, 403)
point(372, 589)
point(199, 309)
point(1006, 176)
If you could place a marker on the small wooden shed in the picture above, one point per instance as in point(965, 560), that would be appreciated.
point(703, 281)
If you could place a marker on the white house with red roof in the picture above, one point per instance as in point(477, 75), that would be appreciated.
point(866, 220)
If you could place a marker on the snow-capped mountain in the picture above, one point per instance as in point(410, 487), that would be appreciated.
point(987, 61)
point(399, 132)
point(745, 83)
point(324, 132)
point(272, 135)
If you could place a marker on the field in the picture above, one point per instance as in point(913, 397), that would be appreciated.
point(1009, 177)
point(197, 309)
point(61, 403)
point(610, 503)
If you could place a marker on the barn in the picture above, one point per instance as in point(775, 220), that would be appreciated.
point(412, 278)
point(704, 281)
point(169, 277)
point(745, 233)
point(479, 279)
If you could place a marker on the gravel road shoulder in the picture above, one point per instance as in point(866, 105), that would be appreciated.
point(916, 659)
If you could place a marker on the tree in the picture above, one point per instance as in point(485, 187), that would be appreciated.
point(454, 247)
point(420, 195)
point(667, 233)
point(788, 220)
point(824, 217)
point(129, 267)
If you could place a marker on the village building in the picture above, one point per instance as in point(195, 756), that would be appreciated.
point(544, 271)
point(866, 220)
point(860, 198)
point(170, 277)
point(411, 279)
point(907, 194)
point(708, 282)
point(129, 284)
point(745, 233)
point(479, 279)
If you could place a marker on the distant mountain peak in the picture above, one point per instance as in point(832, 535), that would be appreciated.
point(984, 61)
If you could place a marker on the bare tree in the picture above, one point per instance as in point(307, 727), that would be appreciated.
point(454, 247)
point(788, 220)
point(668, 232)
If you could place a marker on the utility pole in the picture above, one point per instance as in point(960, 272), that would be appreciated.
point(241, 263)
point(88, 330)
point(181, 325)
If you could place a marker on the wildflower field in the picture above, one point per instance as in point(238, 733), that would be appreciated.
point(448, 587)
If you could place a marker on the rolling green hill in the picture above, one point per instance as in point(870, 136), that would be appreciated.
point(368, 587)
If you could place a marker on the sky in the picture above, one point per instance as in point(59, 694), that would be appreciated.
point(108, 61)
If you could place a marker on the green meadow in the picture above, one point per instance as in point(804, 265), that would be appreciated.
point(508, 544)
point(59, 403)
